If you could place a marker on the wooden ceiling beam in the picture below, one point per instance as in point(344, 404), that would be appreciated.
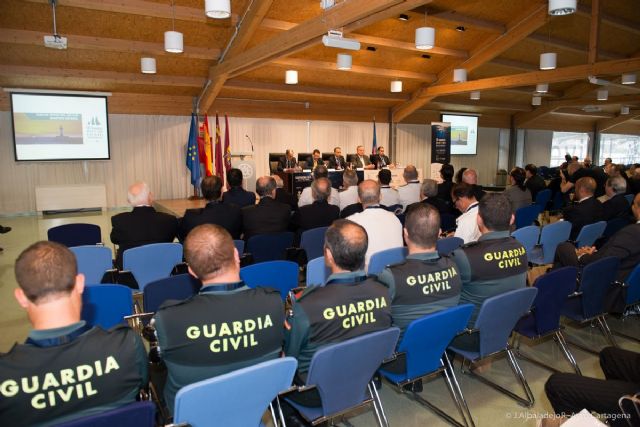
point(451, 16)
point(607, 124)
point(614, 21)
point(594, 32)
point(496, 105)
point(518, 65)
point(572, 47)
point(411, 47)
point(532, 91)
point(581, 113)
point(247, 28)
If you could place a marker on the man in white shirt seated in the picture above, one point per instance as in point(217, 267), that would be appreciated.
point(361, 160)
point(409, 193)
point(383, 227)
point(388, 196)
point(465, 201)
point(305, 197)
point(349, 194)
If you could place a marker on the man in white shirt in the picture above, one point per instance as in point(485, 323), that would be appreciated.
point(383, 227)
point(409, 193)
point(467, 223)
point(388, 196)
point(305, 197)
point(349, 195)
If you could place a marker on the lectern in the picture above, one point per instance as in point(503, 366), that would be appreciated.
point(244, 161)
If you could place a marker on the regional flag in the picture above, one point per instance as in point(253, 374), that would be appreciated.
point(227, 148)
point(375, 143)
point(193, 160)
point(219, 168)
point(208, 160)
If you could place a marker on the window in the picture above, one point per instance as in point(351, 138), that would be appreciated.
point(623, 149)
point(572, 143)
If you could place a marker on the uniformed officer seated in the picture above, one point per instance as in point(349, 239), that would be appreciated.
point(349, 305)
point(495, 264)
point(66, 369)
point(227, 326)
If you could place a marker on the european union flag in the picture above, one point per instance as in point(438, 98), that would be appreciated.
point(193, 160)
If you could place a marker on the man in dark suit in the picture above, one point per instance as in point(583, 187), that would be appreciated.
point(585, 208)
point(319, 213)
point(361, 160)
point(535, 183)
point(268, 216)
point(283, 196)
point(379, 159)
point(143, 225)
point(288, 161)
point(617, 205)
point(336, 161)
point(315, 160)
point(227, 216)
point(237, 195)
point(429, 194)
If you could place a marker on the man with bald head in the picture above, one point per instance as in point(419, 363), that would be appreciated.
point(383, 227)
point(470, 176)
point(410, 192)
point(585, 208)
point(319, 213)
point(269, 215)
point(143, 225)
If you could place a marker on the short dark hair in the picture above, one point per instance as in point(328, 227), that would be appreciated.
point(320, 171)
point(379, 148)
point(463, 190)
point(447, 172)
point(459, 175)
point(567, 157)
point(422, 223)
point(234, 177)
point(519, 177)
point(208, 249)
point(211, 187)
point(495, 211)
point(533, 169)
point(316, 151)
point(384, 176)
point(347, 242)
point(265, 186)
point(45, 270)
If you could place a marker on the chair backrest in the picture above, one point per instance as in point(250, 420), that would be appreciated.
point(614, 225)
point(553, 290)
point(558, 201)
point(136, 414)
point(93, 261)
point(448, 244)
point(498, 316)
point(551, 236)
point(342, 371)
point(426, 339)
point(312, 241)
point(542, 198)
point(526, 215)
point(528, 236)
point(595, 280)
point(317, 272)
point(178, 287)
point(78, 234)
point(590, 233)
point(629, 198)
point(380, 260)
point(152, 262)
point(447, 222)
point(238, 398)
point(239, 244)
point(269, 247)
point(633, 283)
point(106, 305)
point(280, 275)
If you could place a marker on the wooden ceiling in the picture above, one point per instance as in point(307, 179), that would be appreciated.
point(499, 47)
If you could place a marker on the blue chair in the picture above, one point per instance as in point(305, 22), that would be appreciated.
point(93, 262)
point(78, 234)
point(317, 272)
point(526, 215)
point(447, 222)
point(280, 275)
point(179, 287)
point(312, 241)
point(424, 344)
point(342, 374)
point(587, 304)
point(236, 399)
point(239, 244)
point(269, 247)
point(558, 201)
point(152, 262)
point(496, 319)
point(614, 225)
point(136, 414)
point(106, 305)
point(528, 236)
point(542, 198)
point(590, 233)
point(380, 260)
point(629, 198)
point(544, 319)
point(449, 244)
point(550, 237)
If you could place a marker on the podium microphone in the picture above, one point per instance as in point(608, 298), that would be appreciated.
point(250, 141)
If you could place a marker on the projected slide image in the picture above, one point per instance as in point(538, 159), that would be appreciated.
point(459, 135)
point(48, 128)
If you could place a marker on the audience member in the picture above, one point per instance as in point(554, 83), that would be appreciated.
point(4, 230)
point(470, 176)
point(380, 160)
point(410, 192)
point(361, 160)
point(586, 162)
point(634, 182)
point(350, 210)
point(336, 161)
point(495, 264)
point(585, 208)
point(143, 225)
point(571, 393)
point(466, 224)
point(429, 193)
point(617, 205)
point(227, 326)
point(517, 192)
point(66, 369)
point(283, 196)
point(384, 229)
point(534, 182)
point(227, 216)
point(388, 196)
point(288, 161)
point(315, 160)
point(236, 194)
point(319, 213)
point(618, 170)
point(268, 216)
point(305, 197)
point(349, 193)
point(458, 177)
point(445, 187)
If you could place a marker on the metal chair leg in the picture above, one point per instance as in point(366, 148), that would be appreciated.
point(377, 406)
point(458, 390)
point(523, 380)
point(604, 326)
point(567, 354)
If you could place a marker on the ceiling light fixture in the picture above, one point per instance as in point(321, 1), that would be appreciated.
point(548, 61)
point(603, 94)
point(371, 48)
point(562, 7)
point(327, 4)
point(475, 95)
point(461, 28)
point(334, 39)
point(148, 65)
point(217, 9)
point(425, 36)
point(459, 75)
point(291, 77)
point(425, 56)
point(173, 40)
point(624, 110)
point(344, 61)
point(536, 100)
point(396, 86)
point(542, 87)
point(628, 79)
point(403, 17)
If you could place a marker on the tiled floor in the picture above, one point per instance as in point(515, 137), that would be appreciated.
point(488, 407)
